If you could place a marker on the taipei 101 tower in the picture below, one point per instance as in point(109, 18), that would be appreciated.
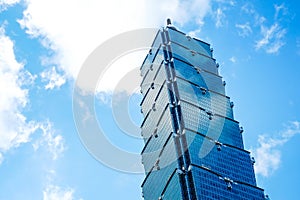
point(193, 145)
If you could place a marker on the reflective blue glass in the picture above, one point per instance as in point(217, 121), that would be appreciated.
point(225, 160)
point(173, 190)
point(195, 59)
point(204, 98)
point(151, 71)
point(158, 178)
point(189, 42)
point(156, 141)
point(199, 77)
point(210, 186)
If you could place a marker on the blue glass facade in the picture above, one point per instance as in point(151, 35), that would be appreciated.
point(193, 146)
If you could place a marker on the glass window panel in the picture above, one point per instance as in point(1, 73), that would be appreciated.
point(201, 97)
point(210, 186)
point(155, 47)
point(202, 78)
point(146, 66)
point(152, 71)
point(155, 144)
point(173, 191)
point(189, 42)
point(194, 59)
point(227, 161)
point(223, 129)
point(160, 94)
point(157, 179)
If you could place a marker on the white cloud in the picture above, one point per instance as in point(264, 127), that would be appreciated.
point(272, 38)
point(231, 3)
point(1, 158)
point(4, 4)
point(244, 29)
point(50, 140)
point(194, 33)
point(9, 2)
point(26, 78)
point(268, 154)
point(272, 34)
point(180, 11)
point(14, 127)
point(248, 8)
point(125, 70)
point(54, 79)
point(278, 9)
point(219, 17)
point(75, 29)
point(54, 192)
point(233, 59)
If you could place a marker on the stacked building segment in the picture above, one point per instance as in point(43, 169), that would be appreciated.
point(193, 145)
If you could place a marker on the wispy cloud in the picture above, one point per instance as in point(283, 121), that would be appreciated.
point(54, 192)
point(232, 3)
point(272, 38)
point(1, 158)
point(4, 4)
point(50, 140)
point(278, 9)
point(272, 31)
point(233, 59)
point(248, 8)
point(244, 29)
point(194, 33)
point(219, 17)
point(53, 78)
point(268, 153)
point(219, 13)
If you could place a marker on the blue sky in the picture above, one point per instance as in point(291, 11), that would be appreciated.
point(43, 45)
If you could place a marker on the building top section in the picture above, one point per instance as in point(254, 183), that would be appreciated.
point(183, 46)
point(191, 43)
point(172, 29)
point(170, 26)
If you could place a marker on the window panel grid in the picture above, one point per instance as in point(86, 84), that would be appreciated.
point(227, 161)
point(208, 100)
point(194, 59)
point(189, 42)
point(211, 187)
point(202, 78)
point(198, 120)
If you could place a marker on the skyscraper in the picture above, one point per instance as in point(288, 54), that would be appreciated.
point(193, 146)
